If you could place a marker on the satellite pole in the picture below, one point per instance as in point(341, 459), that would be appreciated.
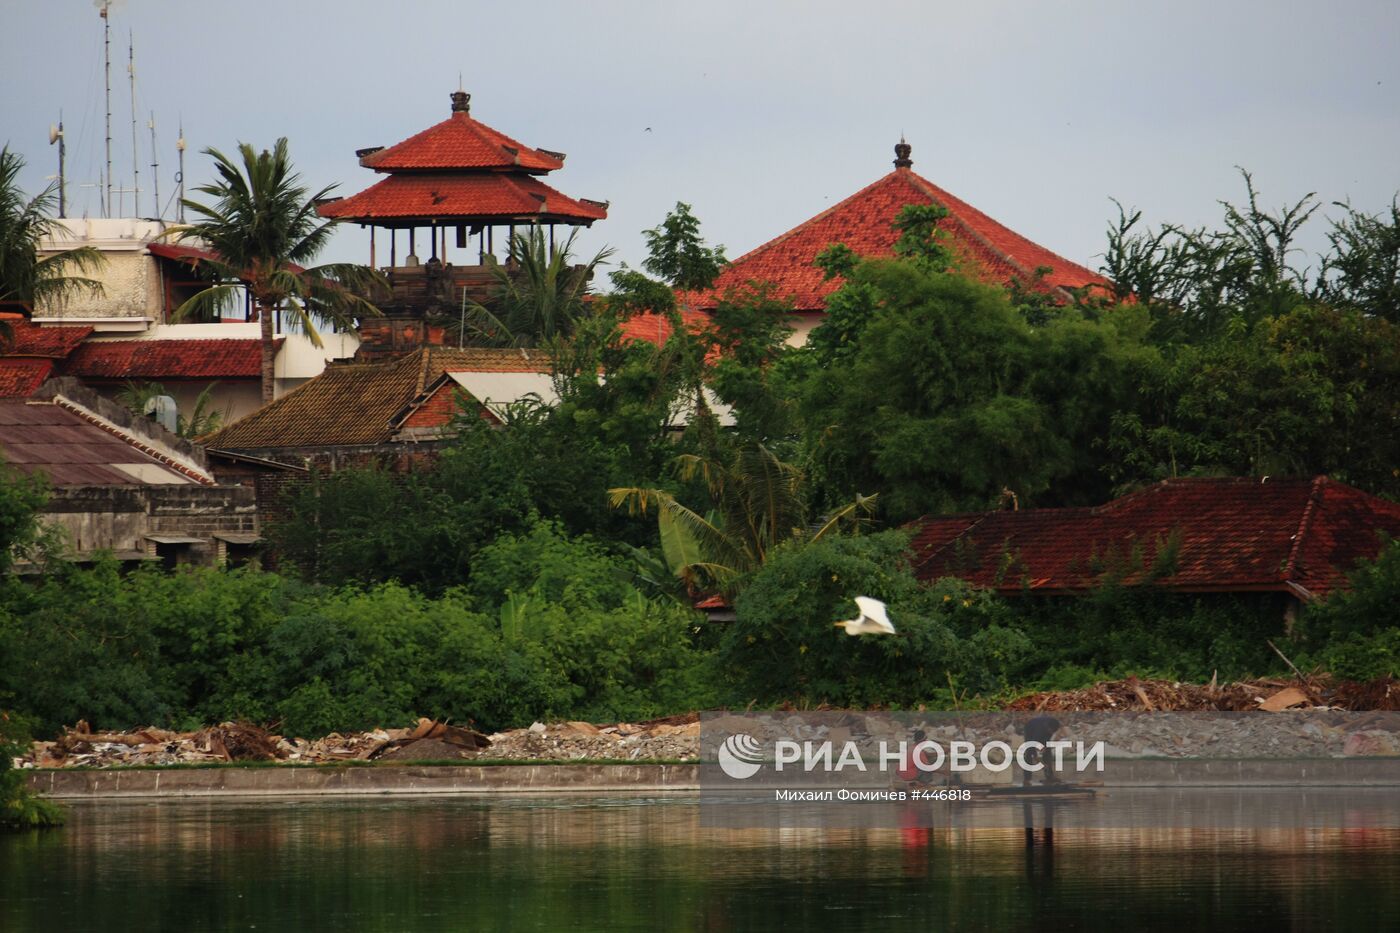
point(56, 136)
point(107, 68)
point(155, 175)
point(135, 158)
point(180, 176)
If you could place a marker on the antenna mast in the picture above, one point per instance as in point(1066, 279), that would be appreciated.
point(56, 136)
point(155, 175)
point(107, 68)
point(135, 158)
point(180, 176)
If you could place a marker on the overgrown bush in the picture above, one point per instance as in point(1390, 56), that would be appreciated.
point(549, 628)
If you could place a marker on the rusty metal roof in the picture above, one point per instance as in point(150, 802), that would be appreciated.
point(41, 437)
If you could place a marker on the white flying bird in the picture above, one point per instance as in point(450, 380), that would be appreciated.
point(871, 621)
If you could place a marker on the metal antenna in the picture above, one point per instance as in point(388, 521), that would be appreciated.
point(155, 175)
point(180, 175)
point(107, 70)
point(135, 158)
point(56, 136)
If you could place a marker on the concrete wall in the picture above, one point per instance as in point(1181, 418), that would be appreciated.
point(130, 281)
point(119, 518)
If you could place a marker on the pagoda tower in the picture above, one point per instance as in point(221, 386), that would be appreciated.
point(459, 177)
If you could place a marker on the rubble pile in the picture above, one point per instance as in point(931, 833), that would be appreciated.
point(1168, 696)
point(677, 737)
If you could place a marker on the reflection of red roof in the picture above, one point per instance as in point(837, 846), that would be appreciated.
point(485, 196)
point(167, 359)
point(1294, 535)
point(28, 339)
point(22, 378)
point(986, 249)
point(461, 142)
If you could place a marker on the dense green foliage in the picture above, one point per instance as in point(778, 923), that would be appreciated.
point(510, 580)
point(547, 626)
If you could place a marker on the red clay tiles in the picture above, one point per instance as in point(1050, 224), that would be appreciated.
point(461, 142)
point(466, 195)
point(985, 249)
point(1292, 535)
point(167, 359)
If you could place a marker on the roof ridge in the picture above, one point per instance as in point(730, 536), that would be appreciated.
point(983, 238)
point(814, 218)
point(977, 235)
point(1304, 526)
point(949, 543)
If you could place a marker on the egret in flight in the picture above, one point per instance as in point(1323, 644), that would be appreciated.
point(871, 621)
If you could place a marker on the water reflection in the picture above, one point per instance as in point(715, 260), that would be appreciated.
point(651, 864)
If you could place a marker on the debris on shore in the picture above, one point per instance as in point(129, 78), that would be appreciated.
point(676, 737)
point(1269, 695)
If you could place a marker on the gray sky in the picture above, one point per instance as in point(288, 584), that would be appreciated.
point(762, 113)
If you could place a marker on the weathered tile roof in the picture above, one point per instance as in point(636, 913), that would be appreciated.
point(71, 450)
point(461, 142)
point(21, 378)
point(353, 404)
point(986, 249)
point(54, 343)
point(484, 195)
point(167, 359)
point(1292, 535)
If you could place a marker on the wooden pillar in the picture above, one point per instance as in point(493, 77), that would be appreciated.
point(393, 247)
point(491, 240)
point(413, 241)
point(433, 237)
point(371, 248)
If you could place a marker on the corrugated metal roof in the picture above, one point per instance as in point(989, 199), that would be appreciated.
point(41, 437)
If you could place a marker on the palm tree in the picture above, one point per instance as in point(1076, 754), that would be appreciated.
point(26, 278)
point(757, 504)
point(261, 230)
point(538, 296)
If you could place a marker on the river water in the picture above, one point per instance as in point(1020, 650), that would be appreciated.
point(634, 863)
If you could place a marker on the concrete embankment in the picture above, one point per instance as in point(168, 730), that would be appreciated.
point(329, 781)
point(640, 778)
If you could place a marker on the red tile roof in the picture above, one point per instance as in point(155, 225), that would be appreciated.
point(43, 437)
point(461, 142)
point(22, 378)
point(986, 249)
point(193, 255)
point(491, 196)
point(1293, 535)
point(167, 359)
point(355, 404)
point(656, 328)
point(28, 339)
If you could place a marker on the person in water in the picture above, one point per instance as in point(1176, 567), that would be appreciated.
point(1040, 729)
point(909, 766)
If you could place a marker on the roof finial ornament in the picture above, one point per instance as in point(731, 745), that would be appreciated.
point(901, 153)
point(461, 102)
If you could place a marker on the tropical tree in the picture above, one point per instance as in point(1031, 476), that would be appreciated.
point(677, 253)
point(756, 502)
point(27, 278)
point(538, 297)
point(261, 230)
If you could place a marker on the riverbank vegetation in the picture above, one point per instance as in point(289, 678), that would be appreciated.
point(522, 579)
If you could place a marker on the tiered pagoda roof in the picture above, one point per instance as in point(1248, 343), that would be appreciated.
point(462, 171)
point(984, 248)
